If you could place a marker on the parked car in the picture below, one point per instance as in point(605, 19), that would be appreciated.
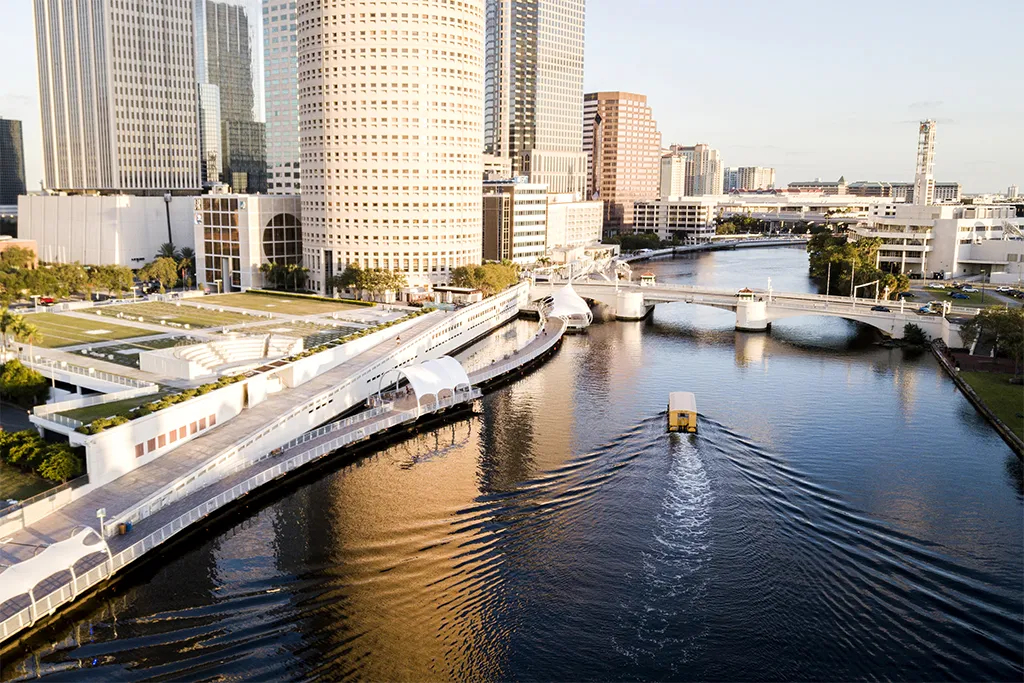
point(881, 309)
point(969, 289)
point(1004, 290)
point(935, 285)
point(46, 300)
point(906, 295)
point(959, 295)
point(914, 276)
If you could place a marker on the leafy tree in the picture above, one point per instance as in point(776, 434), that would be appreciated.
point(114, 279)
point(913, 334)
point(18, 382)
point(60, 463)
point(71, 278)
point(1004, 326)
point(164, 270)
point(17, 257)
point(490, 278)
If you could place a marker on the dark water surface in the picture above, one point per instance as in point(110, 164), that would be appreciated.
point(843, 514)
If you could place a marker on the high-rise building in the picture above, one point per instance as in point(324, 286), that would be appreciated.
point(391, 121)
point(534, 90)
point(12, 162)
point(730, 179)
point(754, 178)
point(224, 60)
point(703, 169)
point(673, 175)
point(117, 94)
point(280, 77)
point(623, 149)
point(1012, 192)
point(924, 178)
point(514, 221)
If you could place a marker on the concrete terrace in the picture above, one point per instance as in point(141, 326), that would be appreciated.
point(124, 492)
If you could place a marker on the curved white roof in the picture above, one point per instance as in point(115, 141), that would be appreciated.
point(431, 377)
point(566, 303)
point(20, 578)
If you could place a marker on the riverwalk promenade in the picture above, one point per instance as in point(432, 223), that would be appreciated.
point(189, 506)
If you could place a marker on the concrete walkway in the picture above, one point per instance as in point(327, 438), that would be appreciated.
point(129, 489)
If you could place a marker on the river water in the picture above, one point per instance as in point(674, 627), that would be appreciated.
point(843, 514)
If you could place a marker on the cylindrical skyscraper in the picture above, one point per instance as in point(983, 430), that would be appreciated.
point(391, 121)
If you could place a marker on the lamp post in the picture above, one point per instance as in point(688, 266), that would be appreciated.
point(101, 513)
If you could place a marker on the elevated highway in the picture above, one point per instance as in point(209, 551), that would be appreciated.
point(756, 310)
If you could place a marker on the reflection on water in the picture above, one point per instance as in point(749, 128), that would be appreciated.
point(843, 513)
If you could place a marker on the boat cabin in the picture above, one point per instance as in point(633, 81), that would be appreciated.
point(647, 280)
point(682, 412)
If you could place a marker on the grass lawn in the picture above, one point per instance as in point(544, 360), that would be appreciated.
point(128, 354)
point(153, 312)
point(313, 334)
point(64, 330)
point(1004, 399)
point(974, 300)
point(20, 485)
point(271, 303)
point(90, 413)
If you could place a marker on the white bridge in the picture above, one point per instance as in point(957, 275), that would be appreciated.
point(756, 310)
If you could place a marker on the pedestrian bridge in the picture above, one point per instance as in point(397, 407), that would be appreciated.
point(758, 309)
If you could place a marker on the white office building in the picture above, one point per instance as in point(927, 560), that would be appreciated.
point(235, 234)
point(954, 240)
point(690, 220)
point(280, 88)
point(572, 223)
point(107, 229)
point(117, 94)
point(673, 175)
point(391, 121)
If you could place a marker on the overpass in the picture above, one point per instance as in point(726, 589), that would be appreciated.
point(755, 311)
point(718, 245)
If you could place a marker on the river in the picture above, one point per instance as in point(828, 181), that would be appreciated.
point(843, 514)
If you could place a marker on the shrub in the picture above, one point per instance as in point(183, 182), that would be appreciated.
point(60, 463)
point(19, 382)
point(914, 335)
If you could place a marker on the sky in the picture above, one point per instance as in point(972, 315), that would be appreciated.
point(813, 89)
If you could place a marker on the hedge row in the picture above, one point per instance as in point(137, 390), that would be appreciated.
point(357, 335)
point(102, 423)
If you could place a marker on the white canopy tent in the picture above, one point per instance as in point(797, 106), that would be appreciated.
point(570, 307)
point(21, 578)
point(430, 378)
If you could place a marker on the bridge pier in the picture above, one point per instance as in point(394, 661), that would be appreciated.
point(630, 305)
point(751, 316)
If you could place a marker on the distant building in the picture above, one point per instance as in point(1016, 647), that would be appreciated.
point(226, 62)
point(819, 186)
point(869, 188)
point(623, 149)
point(703, 166)
point(117, 95)
point(941, 192)
point(755, 178)
point(12, 162)
point(690, 220)
point(730, 179)
point(924, 179)
point(673, 175)
point(235, 234)
point(281, 95)
point(514, 221)
point(533, 94)
point(573, 223)
point(950, 238)
point(1012, 192)
point(104, 229)
point(497, 168)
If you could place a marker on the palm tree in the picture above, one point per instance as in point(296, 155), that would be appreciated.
point(27, 333)
point(168, 250)
point(187, 264)
point(8, 322)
